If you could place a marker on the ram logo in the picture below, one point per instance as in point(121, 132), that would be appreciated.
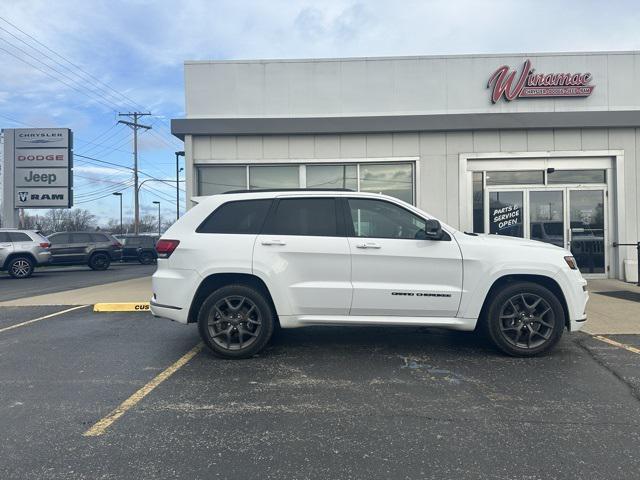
point(23, 196)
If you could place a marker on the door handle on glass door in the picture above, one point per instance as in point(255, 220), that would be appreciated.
point(273, 242)
point(368, 245)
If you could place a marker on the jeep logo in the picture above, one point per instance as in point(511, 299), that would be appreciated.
point(47, 178)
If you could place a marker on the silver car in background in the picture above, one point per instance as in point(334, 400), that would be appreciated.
point(22, 250)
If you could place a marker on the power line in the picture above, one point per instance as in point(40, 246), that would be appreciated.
point(76, 68)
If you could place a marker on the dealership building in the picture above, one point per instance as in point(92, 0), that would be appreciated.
point(541, 146)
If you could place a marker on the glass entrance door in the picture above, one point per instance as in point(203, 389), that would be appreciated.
point(546, 216)
point(587, 229)
point(573, 218)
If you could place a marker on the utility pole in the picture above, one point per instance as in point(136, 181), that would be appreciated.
point(135, 126)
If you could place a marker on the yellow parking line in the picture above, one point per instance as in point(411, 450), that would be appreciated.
point(101, 426)
point(29, 322)
point(617, 344)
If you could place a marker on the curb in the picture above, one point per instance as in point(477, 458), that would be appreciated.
point(122, 307)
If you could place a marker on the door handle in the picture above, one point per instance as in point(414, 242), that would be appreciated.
point(273, 242)
point(368, 245)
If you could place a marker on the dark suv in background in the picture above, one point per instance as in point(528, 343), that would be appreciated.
point(95, 249)
point(141, 248)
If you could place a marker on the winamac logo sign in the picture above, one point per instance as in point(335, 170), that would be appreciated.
point(512, 85)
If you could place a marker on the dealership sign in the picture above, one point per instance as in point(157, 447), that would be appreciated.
point(37, 169)
point(530, 84)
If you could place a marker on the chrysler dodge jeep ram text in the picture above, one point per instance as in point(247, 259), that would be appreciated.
point(241, 264)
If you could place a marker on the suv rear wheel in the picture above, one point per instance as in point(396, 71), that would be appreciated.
point(525, 319)
point(99, 261)
point(20, 267)
point(146, 258)
point(235, 321)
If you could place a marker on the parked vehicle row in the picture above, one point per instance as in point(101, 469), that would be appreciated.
point(21, 251)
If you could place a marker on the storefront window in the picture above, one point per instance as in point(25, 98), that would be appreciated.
point(394, 179)
point(332, 176)
point(272, 176)
point(220, 179)
point(577, 176)
point(534, 177)
point(478, 203)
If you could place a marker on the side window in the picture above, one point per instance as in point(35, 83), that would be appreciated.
point(19, 237)
point(380, 219)
point(80, 238)
point(304, 216)
point(243, 217)
point(60, 238)
point(4, 237)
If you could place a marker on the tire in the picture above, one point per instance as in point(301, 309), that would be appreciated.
point(525, 319)
point(99, 261)
point(235, 322)
point(146, 258)
point(20, 267)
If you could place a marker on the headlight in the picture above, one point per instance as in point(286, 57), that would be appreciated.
point(571, 262)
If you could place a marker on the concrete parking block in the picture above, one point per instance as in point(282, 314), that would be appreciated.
point(122, 307)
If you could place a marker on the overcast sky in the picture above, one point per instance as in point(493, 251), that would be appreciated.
point(130, 54)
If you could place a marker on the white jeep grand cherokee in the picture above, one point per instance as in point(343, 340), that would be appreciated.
point(242, 264)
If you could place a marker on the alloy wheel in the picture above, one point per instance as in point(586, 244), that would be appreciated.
point(527, 320)
point(21, 268)
point(234, 323)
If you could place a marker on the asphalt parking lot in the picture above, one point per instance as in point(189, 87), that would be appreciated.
point(59, 279)
point(318, 403)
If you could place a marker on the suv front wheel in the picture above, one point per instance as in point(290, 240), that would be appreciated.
point(235, 321)
point(525, 319)
point(20, 267)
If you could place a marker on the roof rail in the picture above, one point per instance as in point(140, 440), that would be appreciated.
point(291, 190)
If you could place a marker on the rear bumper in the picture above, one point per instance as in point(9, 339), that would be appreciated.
point(43, 258)
point(173, 291)
point(116, 255)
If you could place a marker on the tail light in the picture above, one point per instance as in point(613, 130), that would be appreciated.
point(45, 245)
point(164, 248)
point(116, 245)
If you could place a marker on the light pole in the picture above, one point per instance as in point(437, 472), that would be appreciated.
point(178, 155)
point(118, 194)
point(158, 203)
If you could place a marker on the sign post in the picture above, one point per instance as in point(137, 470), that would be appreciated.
point(37, 170)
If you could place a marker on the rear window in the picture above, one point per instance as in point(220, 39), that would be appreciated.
point(304, 216)
point(243, 217)
point(60, 238)
point(19, 237)
point(4, 237)
point(99, 237)
point(81, 238)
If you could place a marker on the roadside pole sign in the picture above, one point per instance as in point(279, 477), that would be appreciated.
point(37, 170)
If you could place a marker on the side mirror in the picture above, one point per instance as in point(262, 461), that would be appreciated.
point(433, 229)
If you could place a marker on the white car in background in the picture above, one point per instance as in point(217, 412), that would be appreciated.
point(241, 264)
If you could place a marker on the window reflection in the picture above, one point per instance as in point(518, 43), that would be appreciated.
point(332, 176)
point(394, 179)
point(274, 177)
point(220, 179)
